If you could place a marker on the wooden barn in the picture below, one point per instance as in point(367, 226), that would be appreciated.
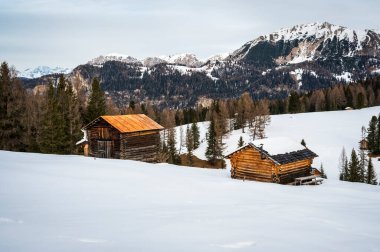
point(134, 137)
point(363, 144)
point(277, 160)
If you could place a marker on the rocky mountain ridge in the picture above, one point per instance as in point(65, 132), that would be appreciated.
point(304, 57)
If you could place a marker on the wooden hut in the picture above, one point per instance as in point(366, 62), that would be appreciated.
point(278, 160)
point(134, 137)
point(363, 144)
point(316, 172)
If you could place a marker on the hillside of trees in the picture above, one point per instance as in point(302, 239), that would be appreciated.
point(50, 121)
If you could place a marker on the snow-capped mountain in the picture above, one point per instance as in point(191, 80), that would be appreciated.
point(100, 60)
point(310, 42)
point(184, 59)
point(304, 57)
point(32, 73)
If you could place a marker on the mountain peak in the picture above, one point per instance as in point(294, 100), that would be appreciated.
point(312, 41)
point(100, 60)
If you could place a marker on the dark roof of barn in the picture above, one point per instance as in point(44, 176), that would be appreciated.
point(298, 154)
point(294, 156)
point(128, 123)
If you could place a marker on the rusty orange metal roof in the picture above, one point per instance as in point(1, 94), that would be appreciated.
point(129, 123)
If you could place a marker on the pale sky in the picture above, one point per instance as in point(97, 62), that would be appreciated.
point(69, 33)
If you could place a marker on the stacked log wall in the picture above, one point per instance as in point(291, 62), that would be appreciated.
point(288, 172)
point(249, 164)
point(140, 146)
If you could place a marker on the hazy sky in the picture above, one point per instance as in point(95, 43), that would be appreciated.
point(69, 33)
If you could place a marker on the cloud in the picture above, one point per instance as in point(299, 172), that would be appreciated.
point(67, 33)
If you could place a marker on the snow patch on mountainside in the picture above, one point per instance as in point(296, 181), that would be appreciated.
point(345, 76)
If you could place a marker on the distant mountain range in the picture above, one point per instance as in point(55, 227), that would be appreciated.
point(32, 73)
point(304, 57)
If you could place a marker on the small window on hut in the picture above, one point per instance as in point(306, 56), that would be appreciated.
point(103, 133)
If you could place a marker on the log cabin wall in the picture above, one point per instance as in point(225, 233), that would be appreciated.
point(102, 131)
point(140, 146)
point(251, 165)
point(288, 172)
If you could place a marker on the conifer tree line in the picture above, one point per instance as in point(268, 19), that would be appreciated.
point(50, 121)
point(355, 95)
point(47, 122)
point(357, 168)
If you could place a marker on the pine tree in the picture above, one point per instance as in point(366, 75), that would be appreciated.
point(363, 161)
point(371, 174)
point(189, 144)
point(12, 111)
point(214, 149)
point(46, 138)
point(372, 134)
point(173, 155)
point(196, 135)
point(377, 137)
point(241, 142)
point(74, 120)
point(323, 174)
point(96, 103)
point(353, 168)
point(61, 118)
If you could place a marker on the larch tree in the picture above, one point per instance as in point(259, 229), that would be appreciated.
point(363, 161)
point(343, 166)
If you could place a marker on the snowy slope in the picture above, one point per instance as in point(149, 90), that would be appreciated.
point(325, 133)
point(73, 203)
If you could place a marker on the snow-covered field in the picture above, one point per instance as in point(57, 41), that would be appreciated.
point(72, 203)
point(325, 133)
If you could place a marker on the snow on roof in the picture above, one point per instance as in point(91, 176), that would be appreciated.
point(274, 146)
point(84, 139)
point(278, 145)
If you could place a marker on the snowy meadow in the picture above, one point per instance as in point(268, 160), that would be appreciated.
point(73, 203)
